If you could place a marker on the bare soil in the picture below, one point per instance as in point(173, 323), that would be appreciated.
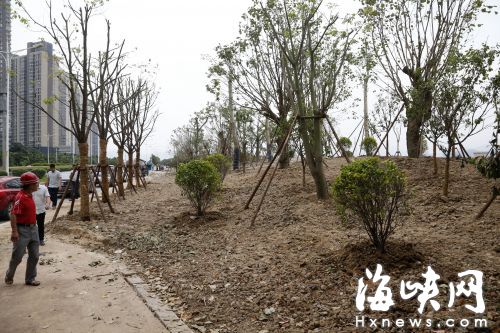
point(297, 270)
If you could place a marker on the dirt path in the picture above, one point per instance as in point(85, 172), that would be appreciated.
point(81, 291)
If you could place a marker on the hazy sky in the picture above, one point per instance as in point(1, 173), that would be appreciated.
point(176, 35)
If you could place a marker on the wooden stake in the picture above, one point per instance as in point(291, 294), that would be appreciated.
point(389, 129)
point(338, 140)
point(278, 153)
point(103, 193)
point(72, 193)
point(63, 196)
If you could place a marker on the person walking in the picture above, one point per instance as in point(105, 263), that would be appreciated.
point(24, 231)
point(54, 182)
point(42, 203)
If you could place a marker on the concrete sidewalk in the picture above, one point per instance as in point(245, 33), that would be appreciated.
point(80, 291)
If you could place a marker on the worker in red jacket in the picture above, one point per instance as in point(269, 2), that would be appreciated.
point(24, 230)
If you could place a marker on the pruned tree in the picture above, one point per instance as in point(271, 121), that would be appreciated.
point(70, 33)
point(317, 56)
point(259, 72)
point(109, 69)
point(145, 114)
point(121, 124)
point(413, 43)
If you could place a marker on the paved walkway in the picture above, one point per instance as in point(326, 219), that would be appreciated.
point(81, 291)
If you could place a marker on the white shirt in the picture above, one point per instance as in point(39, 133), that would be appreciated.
point(40, 198)
point(54, 178)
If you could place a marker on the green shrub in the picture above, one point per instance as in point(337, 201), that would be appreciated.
point(373, 193)
point(346, 144)
point(3, 173)
point(221, 162)
point(199, 181)
point(39, 171)
point(369, 145)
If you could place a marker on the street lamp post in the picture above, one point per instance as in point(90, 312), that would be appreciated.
point(5, 141)
point(49, 136)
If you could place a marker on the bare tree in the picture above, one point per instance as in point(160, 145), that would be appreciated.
point(109, 69)
point(145, 115)
point(70, 32)
point(121, 124)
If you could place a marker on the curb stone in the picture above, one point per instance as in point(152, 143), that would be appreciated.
point(163, 312)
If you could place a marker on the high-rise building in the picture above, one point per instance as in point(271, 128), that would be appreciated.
point(36, 85)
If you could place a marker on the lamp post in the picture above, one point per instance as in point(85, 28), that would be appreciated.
point(6, 127)
point(49, 136)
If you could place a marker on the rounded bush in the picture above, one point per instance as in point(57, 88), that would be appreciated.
point(221, 162)
point(369, 145)
point(199, 181)
point(345, 143)
point(373, 193)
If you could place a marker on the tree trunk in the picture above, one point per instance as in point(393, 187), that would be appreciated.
point(447, 172)
point(303, 163)
point(434, 157)
point(387, 146)
point(138, 167)
point(413, 137)
point(103, 161)
point(284, 160)
point(119, 172)
point(268, 142)
point(130, 169)
point(314, 156)
point(84, 183)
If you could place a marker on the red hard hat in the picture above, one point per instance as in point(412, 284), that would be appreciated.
point(29, 178)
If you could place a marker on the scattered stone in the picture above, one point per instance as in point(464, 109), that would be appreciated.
point(269, 311)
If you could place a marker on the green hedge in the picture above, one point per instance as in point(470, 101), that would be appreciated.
point(39, 171)
point(3, 173)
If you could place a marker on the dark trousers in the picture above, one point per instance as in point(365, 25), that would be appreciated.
point(40, 221)
point(28, 238)
point(53, 195)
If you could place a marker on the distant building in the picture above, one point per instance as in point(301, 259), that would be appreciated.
point(35, 83)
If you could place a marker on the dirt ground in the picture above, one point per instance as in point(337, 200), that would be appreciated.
point(297, 269)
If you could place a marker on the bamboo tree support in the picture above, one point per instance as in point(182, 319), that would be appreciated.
point(383, 142)
point(72, 192)
point(494, 193)
point(115, 183)
point(338, 140)
point(265, 158)
point(389, 130)
point(143, 179)
point(97, 198)
point(278, 153)
point(264, 194)
point(132, 186)
point(115, 188)
point(66, 191)
point(95, 177)
point(103, 192)
point(64, 194)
